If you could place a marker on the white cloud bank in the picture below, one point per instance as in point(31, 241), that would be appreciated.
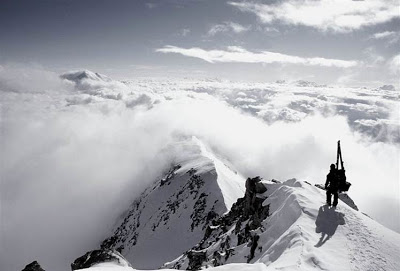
point(236, 54)
point(336, 15)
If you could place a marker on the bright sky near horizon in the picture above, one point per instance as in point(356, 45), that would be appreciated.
point(327, 41)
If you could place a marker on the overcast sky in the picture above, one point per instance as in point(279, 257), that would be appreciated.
point(328, 41)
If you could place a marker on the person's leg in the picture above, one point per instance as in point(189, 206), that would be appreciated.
point(335, 198)
point(328, 197)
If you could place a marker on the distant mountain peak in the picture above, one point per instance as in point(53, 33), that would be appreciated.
point(78, 76)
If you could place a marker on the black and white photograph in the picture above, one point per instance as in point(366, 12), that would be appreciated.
point(218, 135)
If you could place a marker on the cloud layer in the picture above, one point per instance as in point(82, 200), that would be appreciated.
point(336, 15)
point(235, 54)
point(74, 157)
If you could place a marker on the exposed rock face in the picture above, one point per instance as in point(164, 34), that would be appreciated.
point(33, 266)
point(99, 256)
point(196, 258)
point(239, 228)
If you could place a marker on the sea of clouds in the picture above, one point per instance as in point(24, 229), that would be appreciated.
point(77, 148)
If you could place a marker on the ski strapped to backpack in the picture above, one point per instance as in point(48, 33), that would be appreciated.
point(341, 173)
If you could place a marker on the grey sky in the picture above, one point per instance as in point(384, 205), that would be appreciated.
point(120, 38)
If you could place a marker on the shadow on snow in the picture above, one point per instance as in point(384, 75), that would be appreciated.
point(327, 222)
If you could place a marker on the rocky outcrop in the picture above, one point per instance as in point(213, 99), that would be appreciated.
point(240, 227)
point(33, 266)
point(196, 258)
point(99, 256)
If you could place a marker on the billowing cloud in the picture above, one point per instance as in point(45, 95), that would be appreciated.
point(235, 54)
point(336, 15)
point(227, 27)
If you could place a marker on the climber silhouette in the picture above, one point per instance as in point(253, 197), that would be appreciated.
point(327, 222)
point(332, 186)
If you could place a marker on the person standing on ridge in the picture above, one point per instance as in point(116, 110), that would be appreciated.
point(332, 186)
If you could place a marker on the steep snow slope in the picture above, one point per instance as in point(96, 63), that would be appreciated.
point(171, 215)
point(318, 237)
point(302, 233)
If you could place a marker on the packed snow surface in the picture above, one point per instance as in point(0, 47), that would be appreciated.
point(303, 233)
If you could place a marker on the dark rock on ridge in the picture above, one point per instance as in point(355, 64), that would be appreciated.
point(99, 256)
point(238, 227)
point(33, 266)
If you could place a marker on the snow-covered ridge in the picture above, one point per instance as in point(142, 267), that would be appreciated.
point(300, 233)
point(288, 226)
point(176, 209)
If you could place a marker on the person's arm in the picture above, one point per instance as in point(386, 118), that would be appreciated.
point(327, 181)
